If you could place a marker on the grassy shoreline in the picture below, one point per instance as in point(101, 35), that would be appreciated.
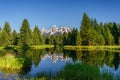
point(41, 46)
point(2, 47)
point(11, 62)
point(67, 47)
point(21, 47)
point(77, 71)
point(92, 47)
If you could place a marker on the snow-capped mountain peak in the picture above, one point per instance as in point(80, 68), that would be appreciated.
point(54, 30)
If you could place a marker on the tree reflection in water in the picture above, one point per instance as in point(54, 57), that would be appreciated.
point(53, 60)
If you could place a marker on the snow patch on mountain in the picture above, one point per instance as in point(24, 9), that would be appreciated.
point(54, 30)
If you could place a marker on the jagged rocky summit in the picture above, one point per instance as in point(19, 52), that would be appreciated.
point(54, 30)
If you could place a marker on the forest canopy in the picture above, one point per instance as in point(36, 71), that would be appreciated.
point(91, 33)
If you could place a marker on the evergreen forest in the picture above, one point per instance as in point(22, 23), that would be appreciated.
point(90, 33)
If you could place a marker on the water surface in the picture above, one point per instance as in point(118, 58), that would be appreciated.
point(50, 61)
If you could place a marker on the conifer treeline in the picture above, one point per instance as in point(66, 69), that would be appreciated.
point(91, 33)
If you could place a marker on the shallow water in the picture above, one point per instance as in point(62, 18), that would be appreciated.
point(50, 61)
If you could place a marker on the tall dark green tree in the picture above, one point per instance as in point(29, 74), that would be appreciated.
point(119, 41)
point(100, 40)
point(14, 37)
point(115, 33)
point(110, 26)
point(78, 39)
point(85, 26)
point(7, 29)
point(69, 38)
point(52, 39)
point(119, 29)
point(25, 34)
point(58, 40)
point(37, 37)
point(4, 41)
point(47, 40)
point(100, 31)
point(73, 37)
point(0, 29)
point(101, 28)
point(92, 37)
point(109, 39)
point(65, 38)
point(94, 24)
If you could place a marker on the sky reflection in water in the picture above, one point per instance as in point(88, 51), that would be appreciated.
point(111, 70)
point(50, 64)
point(53, 62)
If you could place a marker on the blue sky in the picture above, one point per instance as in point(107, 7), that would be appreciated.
point(45, 13)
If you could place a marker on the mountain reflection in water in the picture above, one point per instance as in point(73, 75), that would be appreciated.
point(50, 63)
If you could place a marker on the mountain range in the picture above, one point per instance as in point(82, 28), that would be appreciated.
point(54, 30)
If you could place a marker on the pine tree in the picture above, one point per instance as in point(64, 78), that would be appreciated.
point(92, 37)
point(0, 29)
point(37, 37)
point(58, 40)
point(52, 39)
point(94, 24)
point(109, 39)
point(119, 41)
point(78, 40)
point(4, 40)
point(7, 29)
point(85, 26)
point(47, 40)
point(14, 38)
point(115, 33)
point(69, 38)
point(100, 39)
point(100, 29)
point(73, 37)
point(25, 34)
point(110, 25)
point(65, 38)
point(96, 31)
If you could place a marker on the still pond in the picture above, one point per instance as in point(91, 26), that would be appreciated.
point(22, 64)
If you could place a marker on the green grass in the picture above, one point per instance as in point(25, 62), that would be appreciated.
point(42, 78)
point(92, 48)
point(1, 47)
point(84, 72)
point(41, 46)
point(14, 47)
point(112, 48)
point(9, 61)
point(78, 71)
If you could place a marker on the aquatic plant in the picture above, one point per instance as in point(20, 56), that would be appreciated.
point(11, 62)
